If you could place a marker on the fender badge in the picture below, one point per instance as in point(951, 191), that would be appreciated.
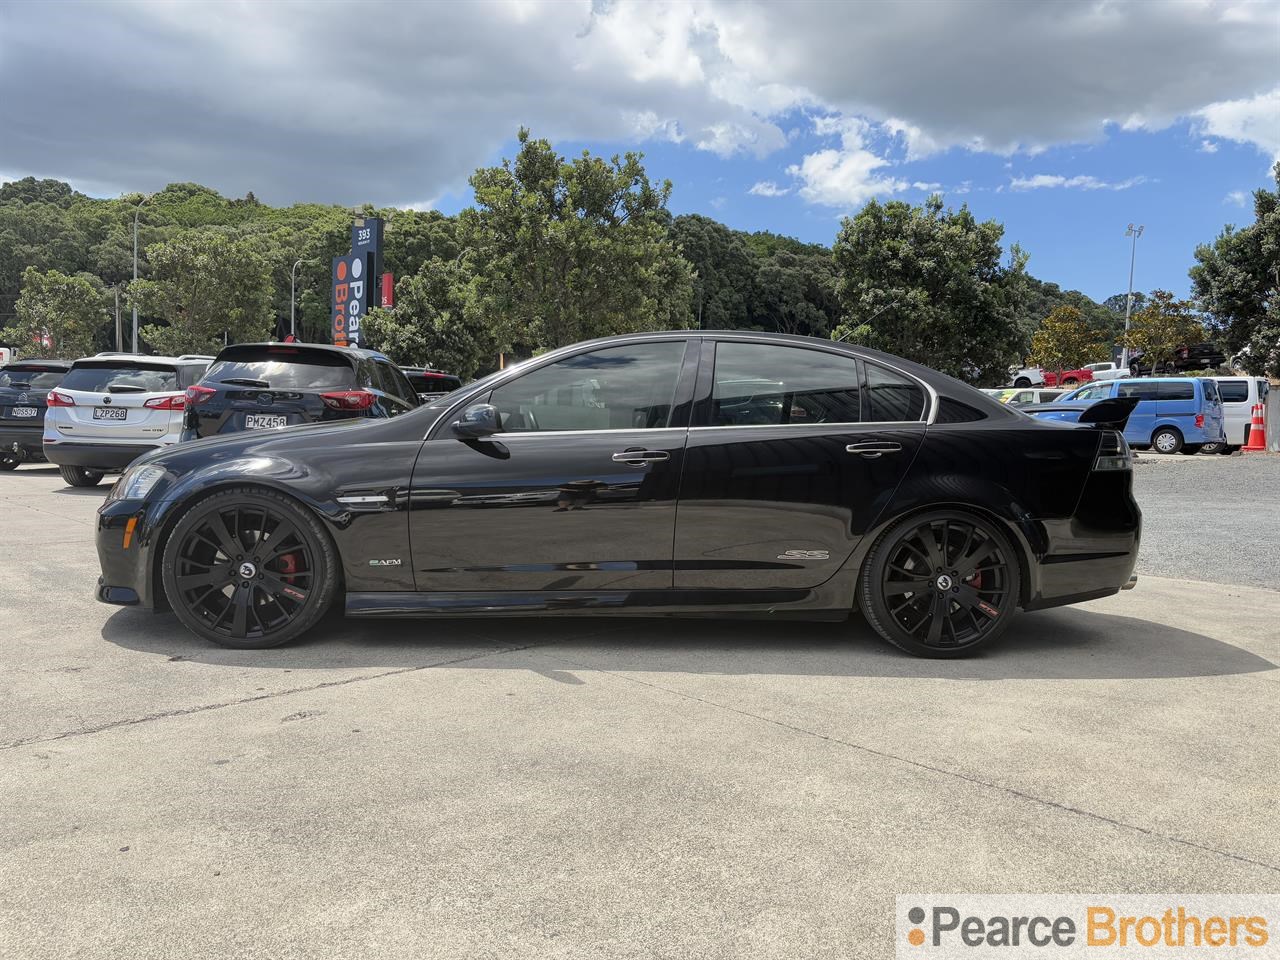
point(395, 562)
point(805, 555)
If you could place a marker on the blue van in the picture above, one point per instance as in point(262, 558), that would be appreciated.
point(1173, 413)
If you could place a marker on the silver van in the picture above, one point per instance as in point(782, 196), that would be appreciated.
point(1238, 394)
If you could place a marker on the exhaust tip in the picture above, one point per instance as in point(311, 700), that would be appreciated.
point(1133, 582)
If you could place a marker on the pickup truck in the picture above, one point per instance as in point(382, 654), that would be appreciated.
point(1090, 371)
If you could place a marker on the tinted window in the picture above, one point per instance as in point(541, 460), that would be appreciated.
point(618, 388)
point(433, 382)
point(1096, 392)
point(31, 377)
point(953, 411)
point(122, 377)
point(893, 396)
point(1177, 390)
point(1142, 389)
point(761, 383)
point(1233, 391)
point(1210, 389)
point(394, 383)
point(283, 368)
point(1264, 388)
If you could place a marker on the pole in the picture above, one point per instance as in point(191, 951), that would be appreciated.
point(119, 332)
point(293, 285)
point(1128, 300)
point(136, 213)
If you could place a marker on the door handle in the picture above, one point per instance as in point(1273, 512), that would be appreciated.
point(638, 458)
point(871, 449)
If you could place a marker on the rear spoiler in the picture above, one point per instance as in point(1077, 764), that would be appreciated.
point(1110, 414)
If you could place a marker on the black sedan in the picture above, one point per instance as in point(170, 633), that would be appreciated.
point(677, 473)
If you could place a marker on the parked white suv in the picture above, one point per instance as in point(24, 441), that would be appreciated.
point(1026, 377)
point(112, 408)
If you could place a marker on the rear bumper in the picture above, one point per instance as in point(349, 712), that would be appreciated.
point(28, 442)
point(96, 456)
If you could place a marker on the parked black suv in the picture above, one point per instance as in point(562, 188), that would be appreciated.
point(24, 390)
point(257, 386)
point(1200, 356)
point(431, 384)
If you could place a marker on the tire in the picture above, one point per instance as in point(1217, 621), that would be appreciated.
point(1228, 450)
point(943, 613)
point(9, 463)
point(1214, 447)
point(1166, 440)
point(80, 476)
point(291, 578)
point(1070, 382)
point(1022, 382)
point(1191, 449)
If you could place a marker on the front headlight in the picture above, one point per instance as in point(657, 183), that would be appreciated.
point(136, 482)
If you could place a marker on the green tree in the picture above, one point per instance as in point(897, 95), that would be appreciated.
point(204, 286)
point(1065, 341)
point(928, 285)
point(433, 323)
point(723, 271)
point(566, 251)
point(1237, 281)
point(57, 315)
point(794, 293)
point(1162, 326)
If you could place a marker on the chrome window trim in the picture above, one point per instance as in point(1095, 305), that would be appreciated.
point(877, 424)
point(574, 433)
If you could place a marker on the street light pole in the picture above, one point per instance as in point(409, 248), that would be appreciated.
point(1134, 232)
point(293, 284)
point(136, 213)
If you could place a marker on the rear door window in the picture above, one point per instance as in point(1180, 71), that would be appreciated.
point(282, 368)
point(1233, 391)
point(31, 377)
point(113, 376)
point(1177, 390)
point(892, 397)
point(1210, 389)
point(767, 384)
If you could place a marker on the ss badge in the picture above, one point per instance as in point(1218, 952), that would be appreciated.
point(805, 555)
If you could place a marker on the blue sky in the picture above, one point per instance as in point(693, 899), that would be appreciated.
point(1063, 120)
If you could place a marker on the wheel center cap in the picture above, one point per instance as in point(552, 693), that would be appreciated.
point(944, 582)
point(248, 570)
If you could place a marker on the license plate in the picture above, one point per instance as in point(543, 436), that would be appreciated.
point(109, 413)
point(265, 421)
point(21, 412)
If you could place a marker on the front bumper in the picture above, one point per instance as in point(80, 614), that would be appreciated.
point(127, 578)
point(26, 441)
point(96, 456)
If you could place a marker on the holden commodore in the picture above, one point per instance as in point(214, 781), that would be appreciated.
point(685, 473)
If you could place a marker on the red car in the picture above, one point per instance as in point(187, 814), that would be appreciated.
point(1070, 378)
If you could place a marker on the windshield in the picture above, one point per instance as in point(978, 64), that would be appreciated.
point(283, 368)
point(31, 377)
point(121, 377)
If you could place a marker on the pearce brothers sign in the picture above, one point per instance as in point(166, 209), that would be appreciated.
point(355, 280)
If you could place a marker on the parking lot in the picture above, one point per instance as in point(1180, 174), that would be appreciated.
point(595, 788)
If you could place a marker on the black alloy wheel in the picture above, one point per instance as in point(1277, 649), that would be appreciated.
point(9, 462)
point(940, 584)
point(249, 568)
point(80, 476)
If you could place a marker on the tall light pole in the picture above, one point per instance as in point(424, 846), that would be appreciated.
point(1134, 232)
point(136, 213)
point(293, 285)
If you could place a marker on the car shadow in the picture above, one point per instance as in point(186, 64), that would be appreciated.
point(1065, 644)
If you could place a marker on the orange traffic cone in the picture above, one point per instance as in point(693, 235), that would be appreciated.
point(1257, 430)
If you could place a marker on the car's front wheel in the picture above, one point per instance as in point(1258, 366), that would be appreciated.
point(1167, 440)
point(249, 568)
point(80, 476)
point(1022, 382)
point(1212, 447)
point(940, 584)
point(9, 463)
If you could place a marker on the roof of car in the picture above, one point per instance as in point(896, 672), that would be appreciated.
point(139, 358)
point(36, 361)
point(299, 345)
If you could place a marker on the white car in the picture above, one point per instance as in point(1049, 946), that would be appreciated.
point(1238, 394)
point(112, 408)
point(1027, 377)
point(1106, 371)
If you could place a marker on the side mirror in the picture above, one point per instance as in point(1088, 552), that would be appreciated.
point(478, 420)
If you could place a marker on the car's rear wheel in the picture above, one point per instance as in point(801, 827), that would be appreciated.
point(1166, 440)
point(1212, 447)
point(1227, 450)
point(1070, 382)
point(9, 463)
point(80, 476)
point(249, 568)
point(1191, 449)
point(941, 584)
point(1022, 382)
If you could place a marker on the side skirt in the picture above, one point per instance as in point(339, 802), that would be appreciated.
point(789, 604)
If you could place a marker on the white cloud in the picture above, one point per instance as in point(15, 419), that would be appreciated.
point(846, 177)
point(717, 202)
point(1083, 182)
point(1208, 146)
point(1255, 120)
point(767, 188)
point(927, 187)
point(1236, 198)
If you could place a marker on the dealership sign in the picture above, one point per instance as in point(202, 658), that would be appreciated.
point(355, 281)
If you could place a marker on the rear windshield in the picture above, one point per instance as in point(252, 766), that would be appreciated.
point(31, 377)
point(433, 382)
point(114, 376)
point(287, 368)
